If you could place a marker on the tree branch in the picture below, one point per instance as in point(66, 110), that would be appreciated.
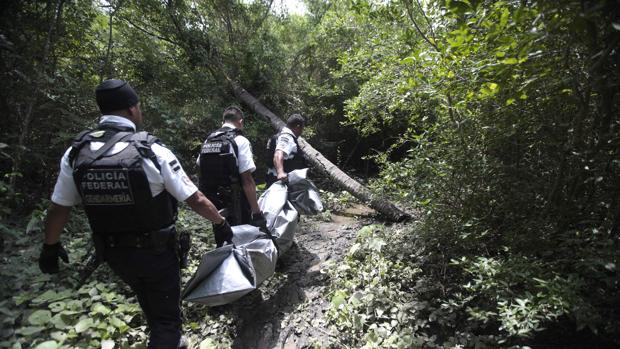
point(430, 27)
point(415, 24)
point(150, 33)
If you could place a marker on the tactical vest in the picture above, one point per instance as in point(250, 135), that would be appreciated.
point(295, 161)
point(115, 191)
point(218, 165)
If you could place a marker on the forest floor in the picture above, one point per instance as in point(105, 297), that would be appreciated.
point(288, 310)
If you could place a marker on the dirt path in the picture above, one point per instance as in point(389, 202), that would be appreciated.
point(287, 311)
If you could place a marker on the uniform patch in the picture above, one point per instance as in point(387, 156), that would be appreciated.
point(212, 148)
point(176, 169)
point(186, 180)
point(106, 187)
point(173, 162)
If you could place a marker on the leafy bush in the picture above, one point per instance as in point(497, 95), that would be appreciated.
point(337, 201)
point(374, 302)
point(503, 138)
point(55, 311)
point(392, 291)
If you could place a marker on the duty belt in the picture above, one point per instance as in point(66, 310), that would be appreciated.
point(155, 239)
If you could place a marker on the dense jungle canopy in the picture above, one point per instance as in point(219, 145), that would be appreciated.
point(496, 122)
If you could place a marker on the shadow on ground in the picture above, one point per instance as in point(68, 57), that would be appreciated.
point(260, 318)
point(287, 311)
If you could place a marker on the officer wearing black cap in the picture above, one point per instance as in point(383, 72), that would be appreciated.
point(129, 185)
point(283, 152)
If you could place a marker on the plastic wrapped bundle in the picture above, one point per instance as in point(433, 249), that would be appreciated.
point(232, 271)
point(303, 194)
point(280, 215)
point(284, 226)
point(260, 247)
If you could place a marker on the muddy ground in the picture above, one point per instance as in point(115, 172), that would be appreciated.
point(288, 310)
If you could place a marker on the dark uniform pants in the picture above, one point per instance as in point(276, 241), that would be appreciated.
point(221, 201)
point(155, 278)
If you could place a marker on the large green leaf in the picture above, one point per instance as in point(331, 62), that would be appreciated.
point(84, 324)
point(338, 299)
point(57, 306)
point(47, 345)
point(59, 336)
point(99, 308)
point(40, 317)
point(208, 343)
point(29, 330)
point(59, 322)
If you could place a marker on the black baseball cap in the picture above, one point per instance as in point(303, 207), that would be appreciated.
point(114, 94)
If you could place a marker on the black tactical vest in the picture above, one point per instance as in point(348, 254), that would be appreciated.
point(295, 161)
point(114, 188)
point(218, 165)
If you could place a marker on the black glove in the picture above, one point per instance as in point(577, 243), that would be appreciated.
point(48, 260)
point(223, 233)
point(185, 242)
point(258, 220)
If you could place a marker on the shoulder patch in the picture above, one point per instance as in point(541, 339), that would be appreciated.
point(186, 180)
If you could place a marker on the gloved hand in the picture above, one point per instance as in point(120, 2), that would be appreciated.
point(48, 260)
point(258, 220)
point(223, 233)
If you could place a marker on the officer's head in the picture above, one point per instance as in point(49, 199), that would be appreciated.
point(296, 123)
point(117, 97)
point(233, 115)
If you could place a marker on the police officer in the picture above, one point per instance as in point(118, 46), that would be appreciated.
point(226, 165)
point(283, 153)
point(129, 184)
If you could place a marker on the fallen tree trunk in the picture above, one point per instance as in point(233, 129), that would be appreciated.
point(322, 164)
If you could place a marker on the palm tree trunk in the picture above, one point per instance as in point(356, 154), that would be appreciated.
point(322, 164)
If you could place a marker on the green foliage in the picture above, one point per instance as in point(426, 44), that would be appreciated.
point(99, 313)
point(503, 138)
point(495, 120)
point(337, 201)
point(374, 303)
point(508, 284)
point(55, 311)
point(386, 294)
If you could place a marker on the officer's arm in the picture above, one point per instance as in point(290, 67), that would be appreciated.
point(57, 217)
point(249, 188)
point(201, 205)
point(278, 163)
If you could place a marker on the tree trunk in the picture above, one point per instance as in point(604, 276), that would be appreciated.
point(28, 117)
point(320, 163)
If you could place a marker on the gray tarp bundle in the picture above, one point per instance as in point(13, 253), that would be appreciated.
point(303, 194)
point(232, 271)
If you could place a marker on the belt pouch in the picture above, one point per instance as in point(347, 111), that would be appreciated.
point(160, 239)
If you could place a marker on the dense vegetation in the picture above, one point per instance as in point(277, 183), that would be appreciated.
point(495, 121)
